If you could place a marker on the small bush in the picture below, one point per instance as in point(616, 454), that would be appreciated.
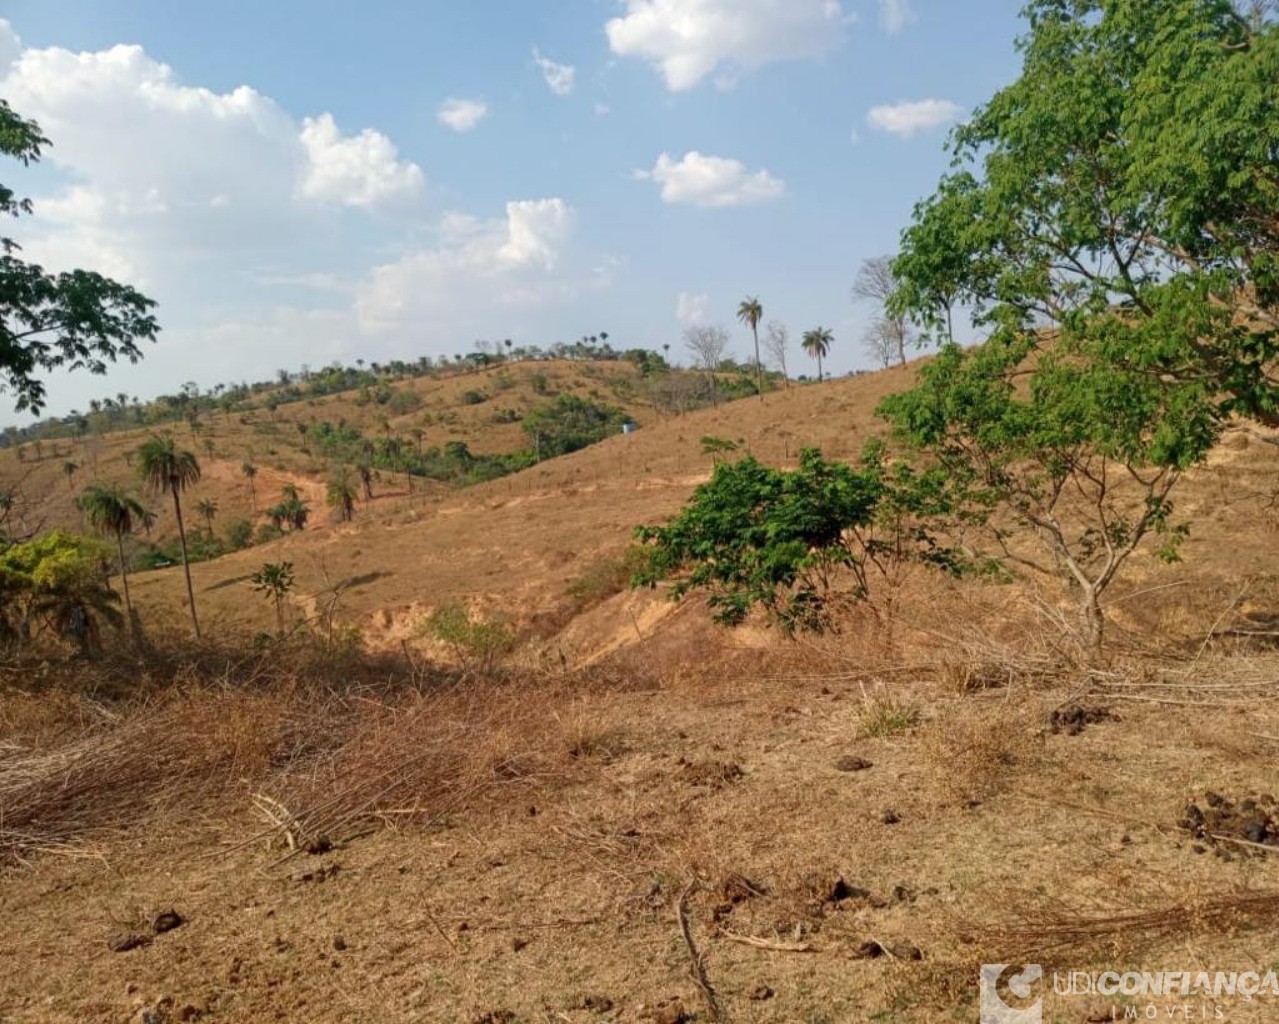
point(268, 532)
point(239, 535)
point(477, 643)
point(607, 576)
point(474, 398)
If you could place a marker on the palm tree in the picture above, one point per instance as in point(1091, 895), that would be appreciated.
point(167, 469)
point(750, 312)
point(341, 494)
point(207, 507)
point(113, 512)
point(250, 471)
point(817, 344)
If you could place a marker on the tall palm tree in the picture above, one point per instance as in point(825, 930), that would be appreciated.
point(165, 469)
point(114, 512)
point(817, 344)
point(341, 493)
point(250, 471)
point(208, 508)
point(750, 312)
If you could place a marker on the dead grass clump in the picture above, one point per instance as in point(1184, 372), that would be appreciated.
point(430, 755)
point(1060, 935)
point(177, 754)
point(975, 753)
point(883, 714)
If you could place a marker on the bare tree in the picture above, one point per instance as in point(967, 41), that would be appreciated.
point(707, 345)
point(881, 341)
point(875, 283)
point(777, 341)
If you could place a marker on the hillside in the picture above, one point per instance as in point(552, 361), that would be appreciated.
point(482, 409)
point(845, 826)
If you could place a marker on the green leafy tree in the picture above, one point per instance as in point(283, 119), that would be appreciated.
point(798, 544)
point(167, 469)
point(275, 580)
point(56, 582)
point(816, 344)
point(750, 312)
point(1123, 189)
point(114, 512)
point(77, 319)
point(568, 423)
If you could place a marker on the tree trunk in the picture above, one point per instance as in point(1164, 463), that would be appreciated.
point(186, 564)
point(759, 369)
point(819, 369)
point(1093, 623)
point(124, 581)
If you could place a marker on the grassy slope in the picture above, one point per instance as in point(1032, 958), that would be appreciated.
point(571, 812)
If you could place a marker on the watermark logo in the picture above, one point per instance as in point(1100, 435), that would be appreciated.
point(1011, 994)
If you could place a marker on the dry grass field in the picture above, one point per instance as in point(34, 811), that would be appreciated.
point(636, 815)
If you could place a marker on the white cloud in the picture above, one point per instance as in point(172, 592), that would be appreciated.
point(476, 265)
point(896, 15)
point(692, 309)
point(461, 115)
point(712, 181)
point(560, 78)
point(687, 40)
point(909, 118)
point(10, 46)
point(224, 207)
point(361, 170)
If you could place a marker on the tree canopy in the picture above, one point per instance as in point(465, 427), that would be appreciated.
point(1111, 226)
point(76, 319)
point(1124, 188)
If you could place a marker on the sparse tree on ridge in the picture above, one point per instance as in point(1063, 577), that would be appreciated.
point(208, 508)
point(817, 343)
point(891, 329)
point(250, 471)
point(750, 312)
point(340, 494)
point(707, 345)
point(777, 341)
point(113, 512)
point(166, 469)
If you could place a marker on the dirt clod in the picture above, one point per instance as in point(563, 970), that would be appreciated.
point(712, 774)
point(890, 817)
point(852, 763)
point(761, 992)
point(593, 1002)
point(1252, 819)
point(670, 1012)
point(166, 921)
point(122, 942)
point(1072, 719)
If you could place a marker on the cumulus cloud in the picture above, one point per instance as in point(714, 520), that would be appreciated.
point(560, 78)
point(10, 46)
point(687, 40)
point(224, 207)
point(475, 264)
point(896, 16)
point(360, 170)
point(461, 115)
point(911, 117)
point(692, 309)
point(712, 181)
point(166, 172)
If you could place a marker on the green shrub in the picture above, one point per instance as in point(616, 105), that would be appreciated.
point(477, 643)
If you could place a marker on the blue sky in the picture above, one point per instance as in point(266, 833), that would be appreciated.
point(292, 184)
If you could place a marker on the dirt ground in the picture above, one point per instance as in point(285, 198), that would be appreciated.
point(845, 828)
